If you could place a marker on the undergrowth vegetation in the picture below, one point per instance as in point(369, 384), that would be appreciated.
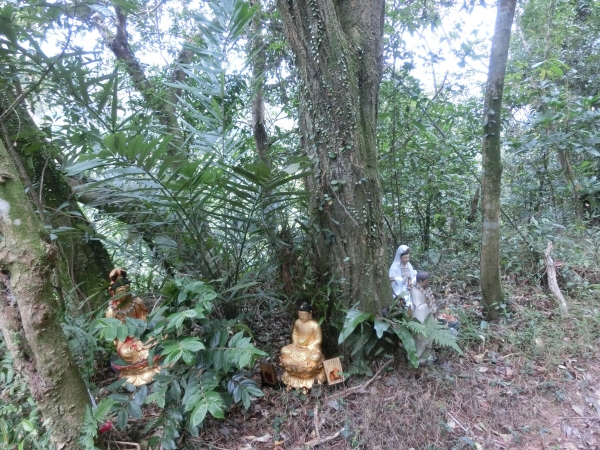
point(222, 244)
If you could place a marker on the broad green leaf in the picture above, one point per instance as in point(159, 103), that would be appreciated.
point(353, 318)
point(408, 342)
point(27, 425)
point(199, 414)
point(122, 418)
point(192, 344)
point(381, 327)
point(134, 410)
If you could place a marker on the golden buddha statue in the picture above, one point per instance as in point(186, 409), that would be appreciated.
point(302, 360)
point(131, 351)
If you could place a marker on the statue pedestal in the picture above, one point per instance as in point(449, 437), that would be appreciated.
point(137, 374)
point(301, 375)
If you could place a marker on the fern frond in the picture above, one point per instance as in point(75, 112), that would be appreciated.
point(103, 409)
point(441, 335)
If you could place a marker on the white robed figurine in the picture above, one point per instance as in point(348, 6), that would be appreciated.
point(422, 307)
point(402, 275)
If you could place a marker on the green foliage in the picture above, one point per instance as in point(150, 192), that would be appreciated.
point(83, 344)
point(210, 210)
point(20, 425)
point(93, 418)
point(203, 362)
point(380, 335)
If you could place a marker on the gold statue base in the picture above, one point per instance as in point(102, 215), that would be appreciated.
point(139, 377)
point(301, 376)
point(138, 374)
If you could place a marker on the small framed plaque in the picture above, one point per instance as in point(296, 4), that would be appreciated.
point(333, 370)
point(267, 374)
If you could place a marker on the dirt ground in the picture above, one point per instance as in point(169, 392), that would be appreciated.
point(530, 382)
point(504, 393)
point(482, 400)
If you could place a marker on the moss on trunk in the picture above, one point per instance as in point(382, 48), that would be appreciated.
point(29, 318)
point(338, 48)
point(83, 260)
point(492, 161)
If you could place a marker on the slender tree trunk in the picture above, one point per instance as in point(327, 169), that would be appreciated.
point(259, 65)
point(28, 312)
point(492, 161)
point(338, 49)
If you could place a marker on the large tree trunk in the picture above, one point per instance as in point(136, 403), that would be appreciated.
point(492, 162)
point(84, 262)
point(28, 312)
point(338, 49)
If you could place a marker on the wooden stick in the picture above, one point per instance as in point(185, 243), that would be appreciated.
point(356, 389)
point(315, 442)
point(579, 418)
point(552, 284)
point(316, 420)
point(456, 420)
point(135, 446)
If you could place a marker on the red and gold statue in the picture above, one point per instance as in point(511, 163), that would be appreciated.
point(133, 352)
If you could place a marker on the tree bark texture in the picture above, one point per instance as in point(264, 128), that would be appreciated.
point(28, 312)
point(338, 50)
point(84, 262)
point(492, 161)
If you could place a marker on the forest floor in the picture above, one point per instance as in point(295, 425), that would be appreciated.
point(531, 381)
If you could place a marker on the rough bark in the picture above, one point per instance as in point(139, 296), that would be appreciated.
point(84, 261)
point(338, 50)
point(474, 205)
point(28, 312)
point(491, 160)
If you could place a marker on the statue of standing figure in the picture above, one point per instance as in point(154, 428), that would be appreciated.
point(402, 275)
point(422, 306)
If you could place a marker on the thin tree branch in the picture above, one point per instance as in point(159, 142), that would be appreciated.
point(23, 95)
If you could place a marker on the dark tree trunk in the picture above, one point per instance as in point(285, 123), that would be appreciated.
point(84, 262)
point(338, 49)
point(28, 312)
point(492, 162)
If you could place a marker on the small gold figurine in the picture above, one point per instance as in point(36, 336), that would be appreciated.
point(302, 360)
point(131, 351)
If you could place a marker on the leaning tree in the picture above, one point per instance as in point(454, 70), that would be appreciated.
point(29, 314)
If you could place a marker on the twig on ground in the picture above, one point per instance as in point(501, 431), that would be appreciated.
point(315, 442)
point(130, 445)
point(355, 389)
point(316, 420)
point(577, 417)
point(456, 420)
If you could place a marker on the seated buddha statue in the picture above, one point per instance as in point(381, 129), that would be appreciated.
point(132, 352)
point(302, 360)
